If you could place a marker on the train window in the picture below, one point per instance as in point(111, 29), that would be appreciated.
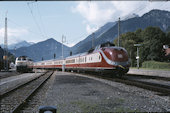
point(19, 58)
point(23, 58)
point(70, 61)
point(30, 59)
point(99, 57)
point(85, 59)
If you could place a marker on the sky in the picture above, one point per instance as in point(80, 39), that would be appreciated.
point(38, 21)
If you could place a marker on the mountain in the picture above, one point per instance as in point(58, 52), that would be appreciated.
point(156, 18)
point(108, 32)
point(18, 45)
point(130, 16)
point(96, 35)
point(44, 49)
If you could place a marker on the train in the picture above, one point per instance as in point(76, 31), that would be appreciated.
point(24, 64)
point(104, 58)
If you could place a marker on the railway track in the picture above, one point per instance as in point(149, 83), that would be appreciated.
point(150, 77)
point(134, 80)
point(14, 100)
point(4, 93)
point(163, 90)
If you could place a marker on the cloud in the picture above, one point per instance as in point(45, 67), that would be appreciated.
point(96, 14)
point(14, 34)
point(70, 44)
point(93, 12)
point(90, 29)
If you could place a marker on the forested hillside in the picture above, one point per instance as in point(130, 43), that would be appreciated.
point(151, 39)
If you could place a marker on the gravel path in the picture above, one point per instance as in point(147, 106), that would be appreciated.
point(79, 93)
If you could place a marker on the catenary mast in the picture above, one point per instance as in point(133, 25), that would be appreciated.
point(5, 46)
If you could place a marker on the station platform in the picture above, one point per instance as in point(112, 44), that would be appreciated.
point(9, 83)
point(150, 72)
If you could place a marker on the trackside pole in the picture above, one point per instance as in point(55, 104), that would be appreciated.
point(63, 40)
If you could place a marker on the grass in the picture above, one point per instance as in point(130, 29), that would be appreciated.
point(156, 65)
point(84, 106)
point(106, 105)
point(122, 109)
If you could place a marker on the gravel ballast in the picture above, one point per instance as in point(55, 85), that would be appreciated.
point(13, 81)
point(72, 92)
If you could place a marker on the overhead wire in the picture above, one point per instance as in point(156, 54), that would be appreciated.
point(36, 23)
point(42, 24)
point(20, 26)
point(43, 28)
point(140, 9)
point(135, 11)
point(82, 37)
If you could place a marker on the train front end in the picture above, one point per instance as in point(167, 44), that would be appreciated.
point(117, 58)
point(23, 64)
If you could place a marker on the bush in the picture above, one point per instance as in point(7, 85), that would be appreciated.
point(156, 65)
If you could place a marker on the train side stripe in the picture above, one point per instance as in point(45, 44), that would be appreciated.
point(106, 59)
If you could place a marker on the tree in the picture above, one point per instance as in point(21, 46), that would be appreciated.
point(127, 41)
point(153, 41)
point(168, 38)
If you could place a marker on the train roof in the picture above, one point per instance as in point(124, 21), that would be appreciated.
point(22, 57)
point(48, 60)
point(107, 44)
point(80, 54)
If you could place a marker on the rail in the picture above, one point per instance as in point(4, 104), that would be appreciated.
point(126, 79)
point(14, 100)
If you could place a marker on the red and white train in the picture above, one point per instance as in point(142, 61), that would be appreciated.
point(105, 58)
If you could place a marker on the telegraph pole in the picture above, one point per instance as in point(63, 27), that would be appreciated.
point(63, 41)
point(119, 32)
point(6, 46)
